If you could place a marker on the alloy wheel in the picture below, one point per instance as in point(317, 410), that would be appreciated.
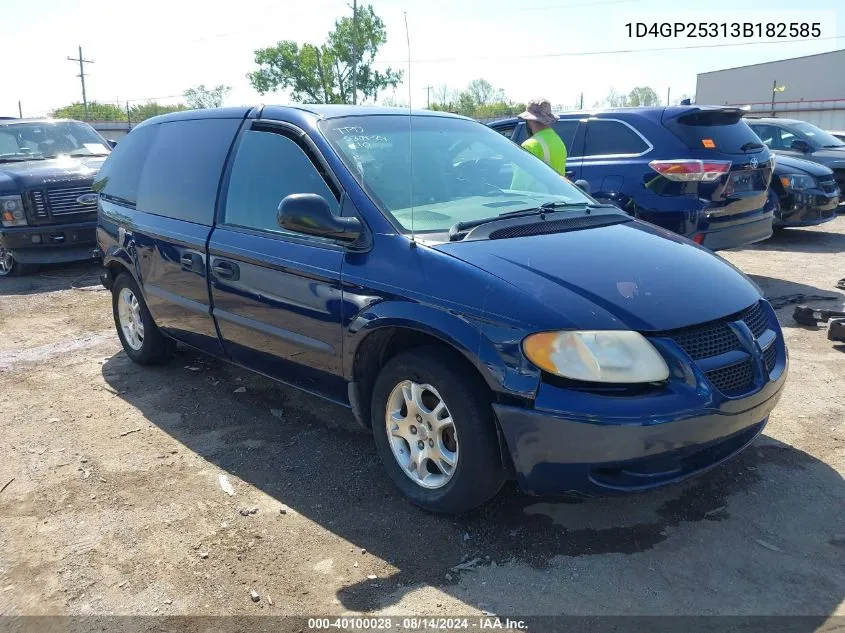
point(7, 262)
point(422, 434)
point(129, 313)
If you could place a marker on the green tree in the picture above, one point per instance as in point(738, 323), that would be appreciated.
point(643, 96)
point(141, 111)
point(202, 97)
point(483, 93)
point(96, 112)
point(323, 73)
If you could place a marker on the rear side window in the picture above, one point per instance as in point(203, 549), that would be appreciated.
point(268, 167)
point(719, 131)
point(612, 138)
point(566, 129)
point(121, 173)
point(506, 131)
point(183, 167)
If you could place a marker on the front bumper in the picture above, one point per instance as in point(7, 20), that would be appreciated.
point(50, 243)
point(807, 208)
point(556, 452)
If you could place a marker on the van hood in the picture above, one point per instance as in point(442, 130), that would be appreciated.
point(22, 175)
point(626, 276)
point(790, 165)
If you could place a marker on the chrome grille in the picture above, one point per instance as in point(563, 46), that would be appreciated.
point(63, 201)
point(38, 204)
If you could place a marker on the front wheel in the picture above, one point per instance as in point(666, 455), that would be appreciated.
point(141, 339)
point(9, 266)
point(435, 431)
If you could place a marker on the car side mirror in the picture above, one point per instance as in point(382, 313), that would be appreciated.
point(310, 214)
point(583, 185)
point(111, 143)
point(800, 146)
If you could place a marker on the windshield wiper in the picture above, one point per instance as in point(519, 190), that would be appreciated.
point(751, 145)
point(17, 159)
point(840, 145)
point(458, 230)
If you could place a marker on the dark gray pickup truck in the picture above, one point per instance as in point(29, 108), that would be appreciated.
point(48, 212)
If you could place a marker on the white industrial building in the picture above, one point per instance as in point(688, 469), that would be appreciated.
point(814, 89)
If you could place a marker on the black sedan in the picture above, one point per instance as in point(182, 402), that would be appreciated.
point(803, 193)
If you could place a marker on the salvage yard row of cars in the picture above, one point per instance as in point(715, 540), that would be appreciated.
point(479, 332)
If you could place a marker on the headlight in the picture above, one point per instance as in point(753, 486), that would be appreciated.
point(597, 356)
point(798, 182)
point(11, 211)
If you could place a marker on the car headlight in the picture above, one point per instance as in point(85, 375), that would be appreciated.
point(11, 211)
point(615, 356)
point(798, 182)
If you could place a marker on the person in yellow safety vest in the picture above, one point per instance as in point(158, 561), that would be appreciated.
point(544, 143)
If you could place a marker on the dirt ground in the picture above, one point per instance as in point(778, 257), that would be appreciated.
point(115, 504)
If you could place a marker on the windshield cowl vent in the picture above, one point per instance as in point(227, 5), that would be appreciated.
point(552, 226)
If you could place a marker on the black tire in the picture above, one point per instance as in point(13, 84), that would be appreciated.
point(156, 348)
point(479, 473)
point(13, 268)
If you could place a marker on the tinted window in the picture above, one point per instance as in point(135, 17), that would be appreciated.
point(769, 134)
point(606, 138)
point(267, 168)
point(717, 130)
point(816, 136)
point(183, 168)
point(121, 173)
point(565, 129)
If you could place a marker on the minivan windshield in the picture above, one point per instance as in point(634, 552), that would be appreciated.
point(461, 170)
point(49, 139)
point(817, 137)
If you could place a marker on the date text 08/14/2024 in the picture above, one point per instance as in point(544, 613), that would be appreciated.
point(491, 622)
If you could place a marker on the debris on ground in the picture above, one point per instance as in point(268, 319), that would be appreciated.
point(715, 511)
point(278, 413)
point(240, 390)
point(371, 577)
point(6, 485)
point(125, 433)
point(253, 594)
point(245, 512)
point(192, 368)
point(467, 566)
point(227, 487)
point(283, 510)
point(768, 545)
point(354, 564)
point(269, 601)
point(203, 554)
point(448, 576)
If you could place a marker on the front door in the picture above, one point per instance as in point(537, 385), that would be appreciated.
point(276, 295)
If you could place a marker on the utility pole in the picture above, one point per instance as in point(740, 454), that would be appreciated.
point(20, 110)
point(354, 52)
point(668, 94)
point(581, 107)
point(428, 97)
point(81, 75)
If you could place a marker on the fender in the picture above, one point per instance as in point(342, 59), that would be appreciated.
point(464, 333)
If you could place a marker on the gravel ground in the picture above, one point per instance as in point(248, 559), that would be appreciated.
point(115, 503)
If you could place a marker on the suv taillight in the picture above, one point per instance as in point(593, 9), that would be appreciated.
point(687, 170)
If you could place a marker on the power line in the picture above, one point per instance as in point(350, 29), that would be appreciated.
point(607, 52)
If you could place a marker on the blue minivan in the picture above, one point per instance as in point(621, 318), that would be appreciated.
point(367, 255)
point(699, 171)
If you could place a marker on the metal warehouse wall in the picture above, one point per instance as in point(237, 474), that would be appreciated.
point(815, 88)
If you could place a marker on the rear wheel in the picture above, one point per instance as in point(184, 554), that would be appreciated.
point(141, 339)
point(435, 431)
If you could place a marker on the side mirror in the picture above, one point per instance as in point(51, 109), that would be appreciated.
point(583, 185)
point(111, 143)
point(799, 145)
point(310, 214)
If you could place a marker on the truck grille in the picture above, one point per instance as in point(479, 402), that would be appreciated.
point(64, 201)
point(715, 339)
point(828, 185)
point(38, 204)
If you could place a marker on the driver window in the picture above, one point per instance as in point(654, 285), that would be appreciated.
point(786, 138)
point(268, 167)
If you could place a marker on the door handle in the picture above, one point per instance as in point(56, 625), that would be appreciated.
point(225, 270)
point(192, 262)
point(569, 173)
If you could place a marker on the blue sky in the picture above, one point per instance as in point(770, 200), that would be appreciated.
point(171, 45)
